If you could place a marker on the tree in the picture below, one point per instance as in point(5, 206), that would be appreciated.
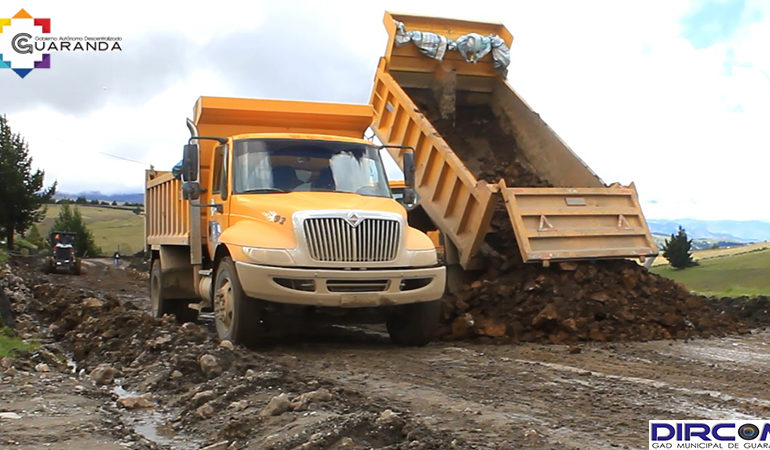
point(677, 250)
point(21, 190)
point(34, 237)
point(69, 219)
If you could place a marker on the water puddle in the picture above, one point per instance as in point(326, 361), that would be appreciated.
point(154, 425)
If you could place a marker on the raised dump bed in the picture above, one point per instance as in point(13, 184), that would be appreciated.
point(476, 141)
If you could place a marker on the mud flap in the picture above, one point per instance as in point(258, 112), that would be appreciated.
point(559, 224)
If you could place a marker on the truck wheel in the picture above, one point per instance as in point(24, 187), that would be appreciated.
point(415, 323)
point(236, 315)
point(161, 305)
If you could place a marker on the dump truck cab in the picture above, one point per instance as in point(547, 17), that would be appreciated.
point(288, 207)
point(293, 202)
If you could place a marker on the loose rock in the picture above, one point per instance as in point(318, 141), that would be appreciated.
point(204, 396)
point(137, 402)
point(93, 303)
point(209, 365)
point(239, 405)
point(205, 411)
point(104, 374)
point(223, 445)
point(276, 406)
point(301, 402)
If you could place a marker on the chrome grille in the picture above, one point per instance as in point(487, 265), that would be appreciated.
point(333, 239)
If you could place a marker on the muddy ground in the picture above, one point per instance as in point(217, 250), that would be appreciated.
point(108, 375)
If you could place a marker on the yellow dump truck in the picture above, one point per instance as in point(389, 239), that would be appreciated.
point(282, 208)
point(441, 90)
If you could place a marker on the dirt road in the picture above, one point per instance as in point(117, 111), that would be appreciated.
point(349, 387)
point(541, 395)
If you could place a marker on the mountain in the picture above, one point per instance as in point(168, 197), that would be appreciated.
point(727, 230)
point(96, 195)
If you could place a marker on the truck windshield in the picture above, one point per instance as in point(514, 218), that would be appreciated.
point(290, 165)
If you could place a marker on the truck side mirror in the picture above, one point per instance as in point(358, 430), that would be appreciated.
point(409, 169)
point(190, 163)
point(409, 194)
point(191, 190)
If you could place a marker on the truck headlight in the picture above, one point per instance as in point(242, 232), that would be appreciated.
point(269, 256)
point(417, 258)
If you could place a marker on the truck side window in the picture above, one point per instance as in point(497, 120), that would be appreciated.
point(219, 171)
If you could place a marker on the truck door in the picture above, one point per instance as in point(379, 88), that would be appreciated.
point(218, 219)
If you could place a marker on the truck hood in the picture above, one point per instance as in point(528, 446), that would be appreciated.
point(267, 207)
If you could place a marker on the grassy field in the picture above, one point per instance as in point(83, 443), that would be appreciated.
point(730, 276)
point(112, 228)
point(717, 252)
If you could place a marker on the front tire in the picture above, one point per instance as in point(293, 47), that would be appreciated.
point(237, 316)
point(162, 305)
point(414, 324)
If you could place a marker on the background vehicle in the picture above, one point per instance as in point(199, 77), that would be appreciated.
point(285, 210)
point(63, 255)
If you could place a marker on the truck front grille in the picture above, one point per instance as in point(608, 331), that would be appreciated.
point(63, 253)
point(333, 239)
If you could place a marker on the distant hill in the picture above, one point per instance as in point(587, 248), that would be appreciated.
point(96, 195)
point(714, 230)
point(701, 243)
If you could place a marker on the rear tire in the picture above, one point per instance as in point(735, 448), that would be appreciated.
point(414, 324)
point(236, 315)
point(162, 305)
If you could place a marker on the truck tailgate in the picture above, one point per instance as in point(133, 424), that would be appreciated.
point(553, 224)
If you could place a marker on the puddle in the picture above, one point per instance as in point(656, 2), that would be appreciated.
point(154, 425)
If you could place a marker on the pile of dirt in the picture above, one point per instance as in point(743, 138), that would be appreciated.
point(754, 311)
point(200, 386)
point(596, 301)
point(477, 137)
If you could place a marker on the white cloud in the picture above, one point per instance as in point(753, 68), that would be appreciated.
point(618, 81)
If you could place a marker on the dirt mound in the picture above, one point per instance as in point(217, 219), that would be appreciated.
point(754, 311)
point(597, 301)
point(202, 387)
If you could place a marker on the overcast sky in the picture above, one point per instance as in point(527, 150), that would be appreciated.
point(673, 95)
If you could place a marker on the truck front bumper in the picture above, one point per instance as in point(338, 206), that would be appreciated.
point(341, 288)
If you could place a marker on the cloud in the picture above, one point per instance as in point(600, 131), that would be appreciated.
point(82, 82)
point(632, 87)
point(301, 59)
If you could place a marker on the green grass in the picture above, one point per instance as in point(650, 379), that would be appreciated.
point(716, 252)
point(112, 228)
point(729, 276)
point(10, 345)
point(3, 254)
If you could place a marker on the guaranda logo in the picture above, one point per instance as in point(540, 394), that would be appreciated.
point(26, 43)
